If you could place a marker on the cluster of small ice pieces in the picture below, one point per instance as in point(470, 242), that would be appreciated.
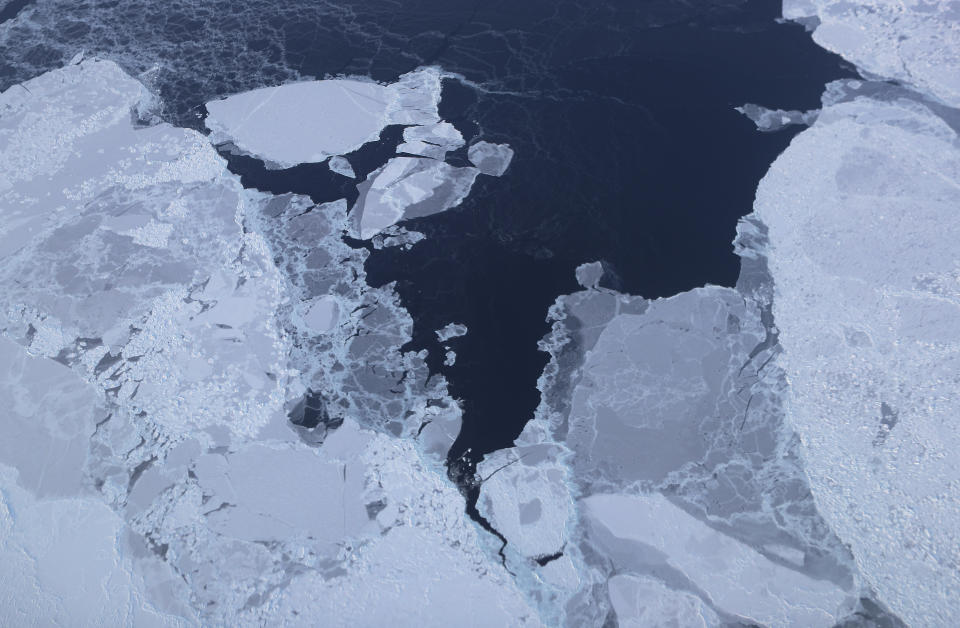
point(210, 419)
point(315, 121)
point(782, 453)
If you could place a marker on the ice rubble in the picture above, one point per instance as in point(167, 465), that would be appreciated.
point(166, 322)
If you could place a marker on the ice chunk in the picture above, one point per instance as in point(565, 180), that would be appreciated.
point(433, 140)
point(310, 121)
point(269, 494)
point(409, 187)
point(914, 41)
point(861, 213)
point(590, 274)
point(649, 530)
point(490, 159)
point(526, 499)
point(174, 317)
point(341, 165)
point(450, 331)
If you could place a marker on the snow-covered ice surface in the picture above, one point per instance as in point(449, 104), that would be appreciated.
point(866, 266)
point(202, 385)
point(912, 41)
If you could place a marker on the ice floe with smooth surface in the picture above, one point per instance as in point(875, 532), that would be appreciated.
point(310, 121)
point(862, 219)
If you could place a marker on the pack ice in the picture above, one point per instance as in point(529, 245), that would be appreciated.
point(209, 419)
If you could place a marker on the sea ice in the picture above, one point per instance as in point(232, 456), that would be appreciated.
point(409, 187)
point(451, 331)
point(775, 119)
point(341, 165)
point(159, 323)
point(863, 224)
point(433, 140)
point(650, 531)
point(490, 159)
point(310, 121)
point(916, 42)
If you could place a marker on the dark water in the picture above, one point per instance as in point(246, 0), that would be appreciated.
point(628, 149)
point(637, 159)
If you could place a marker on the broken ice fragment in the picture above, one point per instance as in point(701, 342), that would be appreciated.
point(432, 140)
point(775, 119)
point(861, 216)
point(589, 274)
point(409, 187)
point(451, 330)
point(914, 42)
point(490, 159)
point(341, 165)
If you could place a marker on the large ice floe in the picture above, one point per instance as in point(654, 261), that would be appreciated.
point(209, 417)
point(867, 271)
point(782, 453)
point(916, 42)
